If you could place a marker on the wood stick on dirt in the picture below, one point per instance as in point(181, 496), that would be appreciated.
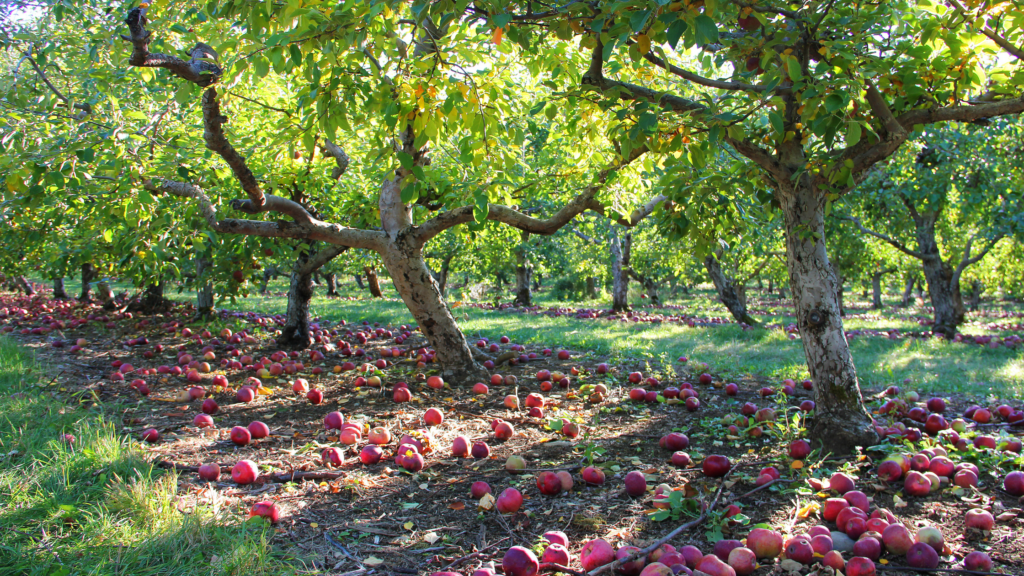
point(682, 528)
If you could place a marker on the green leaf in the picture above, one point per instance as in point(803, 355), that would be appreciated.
point(834, 102)
point(777, 123)
point(296, 54)
point(675, 31)
point(793, 69)
point(261, 66)
point(638, 19)
point(405, 159)
point(852, 132)
point(707, 30)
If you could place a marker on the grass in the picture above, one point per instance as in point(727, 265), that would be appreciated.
point(96, 506)
point(933, 365)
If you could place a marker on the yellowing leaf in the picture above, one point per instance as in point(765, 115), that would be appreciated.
point(807, 510)
point(408, 525)
point(496, 38)
point(457, 505)
point(486, 503)
point(643, 43)
point(797, 464)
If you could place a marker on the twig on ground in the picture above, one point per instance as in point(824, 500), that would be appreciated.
point(679, 530)
point(470, 556)
point(336, 544)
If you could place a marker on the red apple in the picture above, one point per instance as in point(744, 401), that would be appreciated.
point(765, 543)
point(479, 489)
point(860, 566)
point(519, 561)
point(266, 510)
point(979, 519)
point(632, 568)
point(716, 466)
point(210, 472)
point(841, 483)
point(244, 472)
point(922, 555)
point(509, 501)
point(317, 396)
point(1014, 483)
point(258, 429)
point(596, 553)
point(240, 436)
point(799, 449)
point(548, 483)
point(593, 476)
point(334, 421)
point(978, 561)
point(370, 454)
point(917, 484)
point(636, 484)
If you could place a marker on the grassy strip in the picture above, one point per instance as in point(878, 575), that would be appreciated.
point(933, 365)
point(96, 506)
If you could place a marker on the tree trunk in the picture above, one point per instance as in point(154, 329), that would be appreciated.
point(204, 291)
point(523, 273)
point(591, 287)
point(876, 287)
point(359, 282)
point(105, 295)
point(651, 287)
point(59, 292)
point(840, 423)
point(295, 333)
point(771, 286)
point(270, 272)
point(537, 281)
point(920, 294)
point(371, 279)
point(620, 277)
point(976, 289)
point(88, 275)
point(944, 292)
point(25, 286)
point(907, 290)
point(728, 292)
point(331, 280)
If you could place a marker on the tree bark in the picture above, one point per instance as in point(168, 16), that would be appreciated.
point(876, 287)
point(523, 273)
point(59, 292)
point(591, 287)
point(620, 249)
point(975, 295)
point(840, 423)
point(944, 292)
point(908, 290)
point(331, 280)
point(651, 287)
point(25, 286)
point(728, 291)
point(371, 279)
point(105, 295)
point(295, 333)
point(204, 290)
point(359, 282)
point(268, 273)
point(88, 275)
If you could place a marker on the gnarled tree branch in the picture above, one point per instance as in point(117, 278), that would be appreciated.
point(340, 157)
point(198, 69)
point(213, 134)
point(887, 239)
point(86, 108)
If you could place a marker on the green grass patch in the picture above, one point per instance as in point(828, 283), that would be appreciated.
point(96, 506)
point(932, 365)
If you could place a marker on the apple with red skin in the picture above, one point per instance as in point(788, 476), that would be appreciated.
point(602, 368)
point(202, 421)
point(890, 471)
point(266, 510)
point(675, 441)
point(433, 417)
point(556, 554)
point(800, 550)
point(370, 454)
point(244, 472)
point(748, 409)
point(629, 568)
point(435, 382)
point(855, 527)
point(742, 560)
point(722, 548)
point(593, 476)
point(841, 483)
point(258, 429)
point(807, 406)
point(705, 379)
point(570, 429)
point(847, 514)
point(635, 377)
point(765, 543)
point(1014, 483)
point(877, 525)
point(917, 484)
point(596, 553)
point(563, 354)
point(868, 547)
point(332, 457)
point(714, 566)
point(821, 544)
point(922, 555)
point(240, 435)
point(509, 501)
point(935, 423)
point(979, 519)
point(965, 479)
point(480, 389)
point(317, 396)
point(834, 560)
point(504, 431)
point(857, 499)
point(860, 565)
point(716, 466)
point(245, 394)
point(519, 561)
point(566, 479)
point(549, 484)
point(637, 394)
point(209, 472)
point(942, 466)
point(799, 449)
point(460, 447)
point(681, 459)
point(897, 539)
point(832, 508)
point(334, 421)
point(807, 385)
point(636, 484)
point(919, 462)
point(731, 389)
point(478, 489)
point(480, 450)
point(978, 561)
point(210, 406)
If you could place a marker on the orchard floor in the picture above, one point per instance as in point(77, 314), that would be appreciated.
point(62, 502)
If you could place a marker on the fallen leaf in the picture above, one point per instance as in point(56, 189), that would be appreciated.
point(407, 525)
point(373, 561)
point(486, 503)
point(807, 510)
point(457, 505)
point(431, 537)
